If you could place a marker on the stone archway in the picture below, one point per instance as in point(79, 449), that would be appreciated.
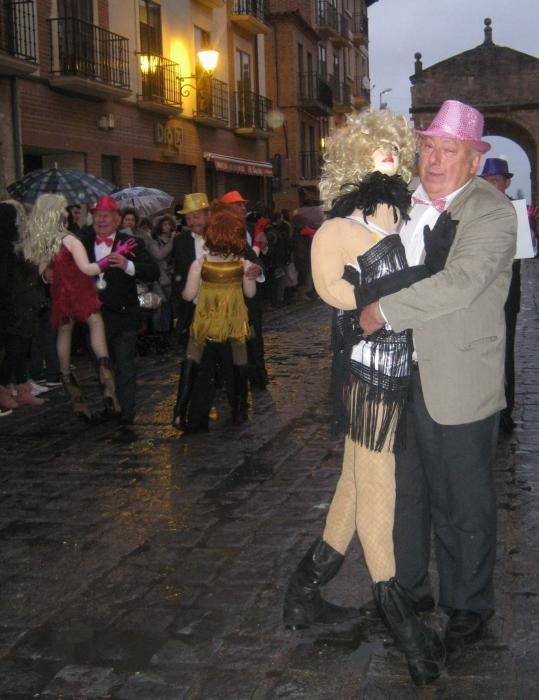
point(499, 81)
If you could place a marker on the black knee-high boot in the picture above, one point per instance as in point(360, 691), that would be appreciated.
point(188, 374)
point(240, 409)
point(303, 603)
point(422, 647)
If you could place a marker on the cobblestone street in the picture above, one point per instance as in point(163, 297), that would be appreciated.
point(155, 569)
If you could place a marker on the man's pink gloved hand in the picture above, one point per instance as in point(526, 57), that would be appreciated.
point(125, 248)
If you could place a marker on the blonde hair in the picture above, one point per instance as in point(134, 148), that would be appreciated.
point(47, 227)
point(349, 150)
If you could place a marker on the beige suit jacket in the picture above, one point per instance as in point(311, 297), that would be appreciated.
point(457, 315)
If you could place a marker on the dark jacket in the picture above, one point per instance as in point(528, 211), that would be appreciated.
point(183, 255)
point(120, 294)
point(26, 299)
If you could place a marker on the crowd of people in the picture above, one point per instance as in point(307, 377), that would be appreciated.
point(116, 286)
point(423, 334)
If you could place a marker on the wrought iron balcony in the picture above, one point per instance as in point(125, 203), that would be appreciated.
point(342, 96)
point(327, 19)
point(315, 94)
point(361, 96)
point(342, 38)
point(310, 165)
point(212, 100)
point(251, 111)
point(160, 88)
point(18, 51)
point(360, 28)
point(88, 59)
point(252, 15)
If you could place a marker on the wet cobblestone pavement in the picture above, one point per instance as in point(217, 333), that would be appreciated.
point(155, 568)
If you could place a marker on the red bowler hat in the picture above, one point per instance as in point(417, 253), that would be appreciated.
point(232, 197)
point(105, 203)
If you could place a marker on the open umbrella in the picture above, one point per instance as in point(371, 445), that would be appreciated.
point(76, 186)
point(145, 200)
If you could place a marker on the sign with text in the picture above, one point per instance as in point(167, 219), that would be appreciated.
point(168, 135)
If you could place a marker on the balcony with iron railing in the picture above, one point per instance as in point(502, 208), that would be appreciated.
point(361, 96)
point(310, 165)
point(326, 19)
point(360, 28)
point(252, 15)
point(18, 50)
point(250, 114)
point(160, 86)
point(343, 37)
point(212, 101)
point(88, 59)
point(342, 95)
point(315, 94)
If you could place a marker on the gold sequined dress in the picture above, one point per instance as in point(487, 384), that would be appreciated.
point(221, 313)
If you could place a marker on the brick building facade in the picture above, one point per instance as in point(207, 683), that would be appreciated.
point(318, 56)
point(116, 89)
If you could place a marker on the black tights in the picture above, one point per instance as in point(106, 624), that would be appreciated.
point(15, 362)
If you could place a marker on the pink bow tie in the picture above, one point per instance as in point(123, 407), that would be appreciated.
point(108, 241)
point(438, 204)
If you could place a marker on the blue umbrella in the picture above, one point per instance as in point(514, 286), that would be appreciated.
point(76, 186)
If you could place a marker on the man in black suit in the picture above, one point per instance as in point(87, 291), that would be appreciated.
point(118, 293)
point(496, 171)
point(186, 248)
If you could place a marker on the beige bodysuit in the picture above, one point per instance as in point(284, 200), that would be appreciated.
point(364, 500)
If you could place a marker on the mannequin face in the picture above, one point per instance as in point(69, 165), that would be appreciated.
point(386, 158)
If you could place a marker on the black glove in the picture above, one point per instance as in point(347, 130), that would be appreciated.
point(394, 282)
point(351, 275)
point(438, 241)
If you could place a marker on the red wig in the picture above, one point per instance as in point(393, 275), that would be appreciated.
point(225, 233)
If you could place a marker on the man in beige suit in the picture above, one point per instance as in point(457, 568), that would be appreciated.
point(445, 478)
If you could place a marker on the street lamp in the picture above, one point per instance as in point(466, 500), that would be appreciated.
point(208, 59)
point(383, 105)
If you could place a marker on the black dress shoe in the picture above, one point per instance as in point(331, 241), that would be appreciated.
point(370, 611)
point(464, 627)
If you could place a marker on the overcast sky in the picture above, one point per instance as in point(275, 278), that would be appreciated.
point(439, 29)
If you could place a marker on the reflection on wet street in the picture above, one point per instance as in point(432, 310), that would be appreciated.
point(147, 566)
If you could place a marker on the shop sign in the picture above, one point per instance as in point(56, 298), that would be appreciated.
point(167, 135)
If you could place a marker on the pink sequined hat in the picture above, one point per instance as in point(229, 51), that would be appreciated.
point(455, 120)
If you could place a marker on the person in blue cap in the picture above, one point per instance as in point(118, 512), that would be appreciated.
point(496, 171)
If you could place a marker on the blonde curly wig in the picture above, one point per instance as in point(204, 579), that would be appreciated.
point(349, 150)
point(46, 224)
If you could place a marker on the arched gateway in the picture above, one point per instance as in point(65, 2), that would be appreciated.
point(501, 82)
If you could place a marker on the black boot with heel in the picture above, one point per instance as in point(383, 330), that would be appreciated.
point(188, 374)
point(303, 603)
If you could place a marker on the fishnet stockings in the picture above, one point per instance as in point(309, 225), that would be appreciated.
point(364, 501)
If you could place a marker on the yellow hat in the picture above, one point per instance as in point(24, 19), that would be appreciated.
point(194, 202)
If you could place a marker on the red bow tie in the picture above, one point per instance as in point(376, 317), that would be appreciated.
point(438, 204)
point(105, 241)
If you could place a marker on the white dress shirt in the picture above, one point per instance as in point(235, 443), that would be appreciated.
point(101, 250)
point(411, 233)
point(421, 215)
